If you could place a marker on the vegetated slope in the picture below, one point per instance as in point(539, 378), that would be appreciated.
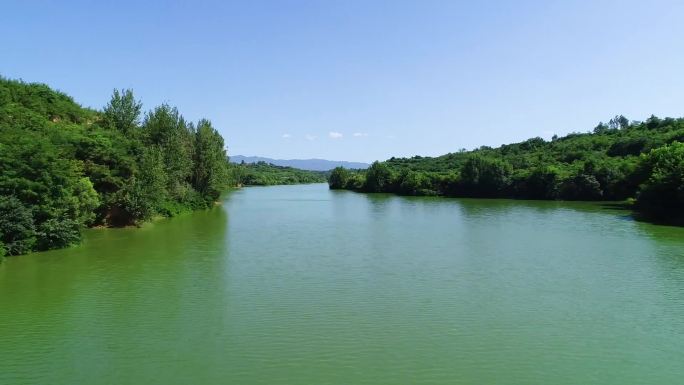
point(265, 174)
point(302, 164)
point(64, 167)
point(617, 161)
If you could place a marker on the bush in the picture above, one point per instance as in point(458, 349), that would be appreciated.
point(414, 183)
point(485, 177)
point(582, 187)
point(663, 192)
point(542, 183)
point(338, 178)
point(55, 233)
point(16, 226)
point(355, 182)
point(378, 177)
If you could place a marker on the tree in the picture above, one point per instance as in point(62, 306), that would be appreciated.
point(145, 193)
point(123, 111)
point(210, 162)
point(414, 183)
point(56, 233)
point(338, 178)
point(378, 177)
point(601, 128)
point(84, 201)
point(662, 194)
point(17, 229)
point(166, 128)
point(582, 187)
point(618, 122)
point(356, 181)
point(481, 176)
point(542, 183)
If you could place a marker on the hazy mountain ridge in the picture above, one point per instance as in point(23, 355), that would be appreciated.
point(304, 164)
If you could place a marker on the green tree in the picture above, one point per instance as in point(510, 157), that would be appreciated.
point(413, 183)
point(166, 128)
point(542, 183)
point(582, 187)
point(378, 177)
point(56, 233)
point(481, 176)
point(144, 194)
point(356, 181)
point(17, 229)
point(662, 194)
point(210, 162)
point(338, 178)
point(123, 111)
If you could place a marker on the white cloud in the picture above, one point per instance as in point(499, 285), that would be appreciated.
point(360, 134)
point(310, 137)
point(287, 136)
point(335, 135)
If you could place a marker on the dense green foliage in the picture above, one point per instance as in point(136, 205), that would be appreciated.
point(617, 161)
point(663, 192)
point(266, 174)
point(63, 167)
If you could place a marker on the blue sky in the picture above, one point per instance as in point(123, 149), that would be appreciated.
point(361, 80)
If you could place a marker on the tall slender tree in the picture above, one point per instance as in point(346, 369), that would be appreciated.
point(123, 111)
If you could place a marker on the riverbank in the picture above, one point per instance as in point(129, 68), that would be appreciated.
point(639, 161)
point(64, 167)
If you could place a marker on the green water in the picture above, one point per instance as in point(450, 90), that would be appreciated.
point(301, 285)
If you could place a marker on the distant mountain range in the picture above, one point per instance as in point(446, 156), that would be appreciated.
point(304, 164)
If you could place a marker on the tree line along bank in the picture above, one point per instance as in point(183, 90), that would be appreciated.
point(642, 162)
point(64, 167)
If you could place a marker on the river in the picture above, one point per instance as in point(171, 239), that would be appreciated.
point(302, 285)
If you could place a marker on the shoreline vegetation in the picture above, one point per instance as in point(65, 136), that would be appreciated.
point(64, 167)
point(267, 174)
point(639, 163)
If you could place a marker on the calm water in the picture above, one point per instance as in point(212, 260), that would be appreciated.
point(301, 285)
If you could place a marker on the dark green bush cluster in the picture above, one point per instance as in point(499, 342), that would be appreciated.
point(617, 161)
point(63, 167)
point(663, 191)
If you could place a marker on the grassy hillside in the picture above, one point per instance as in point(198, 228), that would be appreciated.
point(64, 167)
point(616, 161)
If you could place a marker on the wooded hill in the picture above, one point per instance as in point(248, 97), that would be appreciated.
point(266, 174)
point(64, 167)
point(618, 160)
